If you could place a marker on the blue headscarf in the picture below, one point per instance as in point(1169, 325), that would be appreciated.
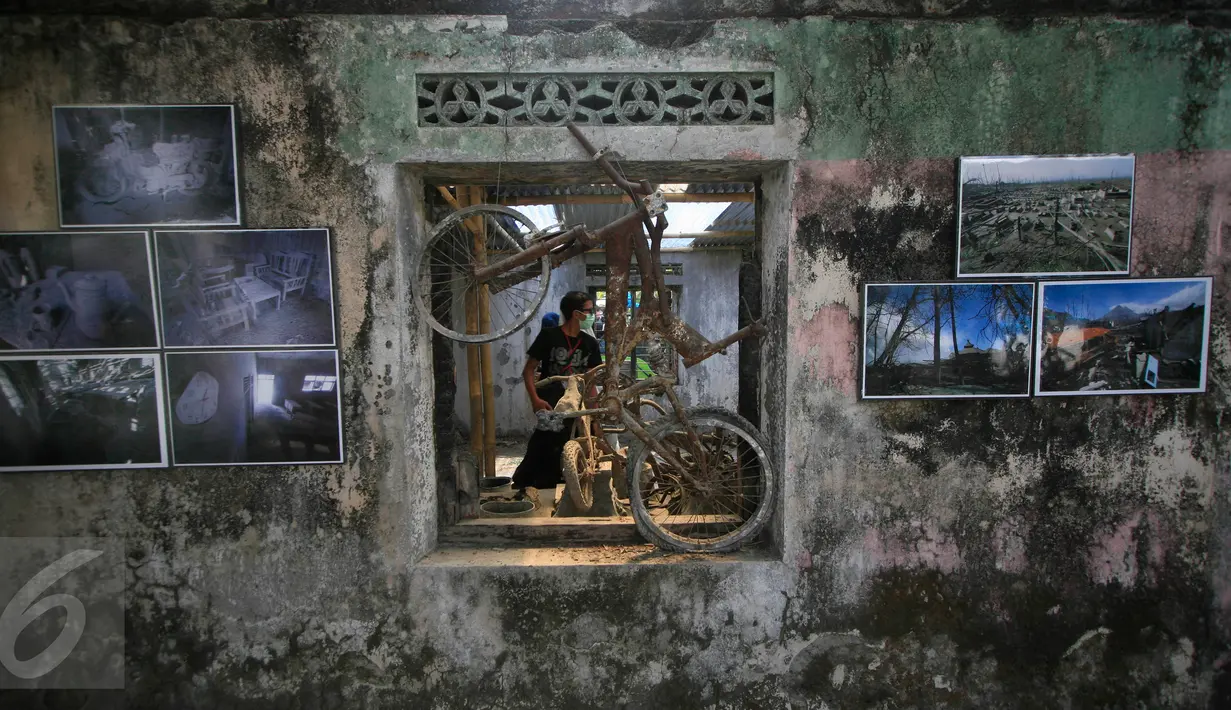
point(551, 320)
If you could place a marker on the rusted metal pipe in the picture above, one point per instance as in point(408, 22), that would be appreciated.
point(754, 330)
point(600, 157)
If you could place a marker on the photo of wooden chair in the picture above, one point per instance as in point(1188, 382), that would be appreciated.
point(220, 305)
point(289, 271)
point(257, 266)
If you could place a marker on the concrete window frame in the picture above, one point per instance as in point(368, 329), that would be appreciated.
point(774, 179)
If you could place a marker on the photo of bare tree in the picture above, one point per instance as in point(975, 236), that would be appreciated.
point(1121, 336)
point(1045, 215)
point(947, 340)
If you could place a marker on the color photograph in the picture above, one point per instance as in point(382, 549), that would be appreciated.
point(254, 407)
point(246, 287)
point(1138, 336)
point(81, 412)
point(128, 166)
point(947, 340)
point(72, 291)
point(1045, 215)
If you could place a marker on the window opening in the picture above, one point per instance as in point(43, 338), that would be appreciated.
point(319, 383)
point(706, 252)
point(652, 356)
point(10, 393)
point(264, 389)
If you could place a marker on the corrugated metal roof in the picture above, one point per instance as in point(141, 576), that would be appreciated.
point(737, 217)
point(701, 188)
point(723, 241)
point(593, 216)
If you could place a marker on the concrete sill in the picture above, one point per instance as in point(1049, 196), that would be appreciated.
point(511, 555)
point(554, 532)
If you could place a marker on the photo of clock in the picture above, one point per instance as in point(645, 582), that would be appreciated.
point(199, 402)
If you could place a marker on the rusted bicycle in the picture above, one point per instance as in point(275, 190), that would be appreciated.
point(698, 479)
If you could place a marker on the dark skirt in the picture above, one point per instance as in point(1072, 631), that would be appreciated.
point(541, 466)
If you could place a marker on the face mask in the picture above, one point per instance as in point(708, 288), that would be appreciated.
point(587, 323)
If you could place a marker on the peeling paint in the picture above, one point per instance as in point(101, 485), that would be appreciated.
point(986, 554)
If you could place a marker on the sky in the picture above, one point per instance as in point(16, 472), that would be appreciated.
point(1095, 300)
point(1030, 169)
point(968, 326)
point(682, 217)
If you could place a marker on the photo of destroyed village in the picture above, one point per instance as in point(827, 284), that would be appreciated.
point(1025, 216)
point(947, 340)
point(1123, 337)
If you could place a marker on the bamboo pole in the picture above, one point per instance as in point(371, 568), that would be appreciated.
point(474, 377)
point(485, 350)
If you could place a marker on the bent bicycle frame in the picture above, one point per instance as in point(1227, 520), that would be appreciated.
point(623, 239)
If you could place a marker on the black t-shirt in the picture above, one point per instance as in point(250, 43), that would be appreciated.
point(561, 354)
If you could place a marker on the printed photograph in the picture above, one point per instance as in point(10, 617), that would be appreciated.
point(62, 412)
point(76, 291)
point(947, 340)
point(1123, 336)
point(1045, 215)
point(254, 407)
point(245, 287)
point(146, 165)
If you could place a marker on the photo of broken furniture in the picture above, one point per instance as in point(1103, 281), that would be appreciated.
point(245, 287)
point(256, 407)
point(61, 412)
point(128, 166)
point(1045, 215)
point(76, 291)
point(947, 340)
point(1121, 336)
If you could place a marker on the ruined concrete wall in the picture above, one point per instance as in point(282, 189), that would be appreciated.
point(1058, 553)
point(710, 303)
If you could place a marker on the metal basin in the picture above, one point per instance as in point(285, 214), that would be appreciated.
point(507, 508)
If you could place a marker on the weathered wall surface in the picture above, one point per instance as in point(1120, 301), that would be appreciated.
point(1058, 553)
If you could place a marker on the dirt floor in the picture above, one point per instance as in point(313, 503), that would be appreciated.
point(509, 453)
point(1111, 371)
point(300, 321)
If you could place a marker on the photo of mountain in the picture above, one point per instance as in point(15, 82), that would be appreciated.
point(1123, 336)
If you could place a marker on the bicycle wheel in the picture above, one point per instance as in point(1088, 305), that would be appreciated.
point(695, 512)
point(444, 266)
point(577, 463)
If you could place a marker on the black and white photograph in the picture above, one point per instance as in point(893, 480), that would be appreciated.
point(245, 287)
point(62, 412)
point(256, 407)
point(74, 291)
point(1123, 336)
point(947, 340)
point(1029, 216)
point(129, 166)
